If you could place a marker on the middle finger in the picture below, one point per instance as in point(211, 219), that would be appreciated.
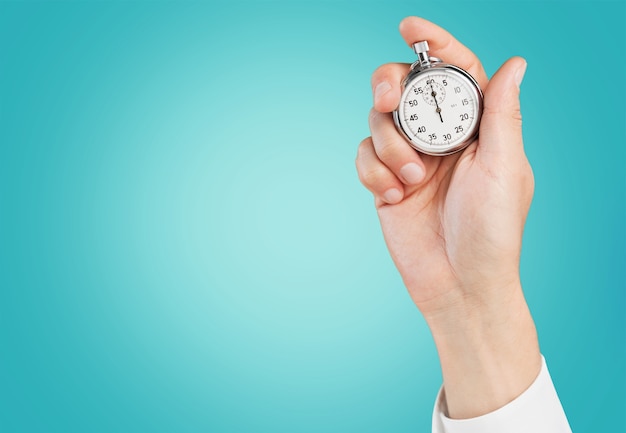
point(394, 151)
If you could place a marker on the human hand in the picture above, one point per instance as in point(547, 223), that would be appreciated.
point(454, 224)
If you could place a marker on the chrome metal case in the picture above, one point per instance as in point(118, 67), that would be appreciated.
point(423, 64)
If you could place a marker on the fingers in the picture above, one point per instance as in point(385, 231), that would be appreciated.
point(387, 80)
point(393, 150)
point(387, 86)
point(501, 124)
point(376, 176)
point(443, 45)
point(385, 161)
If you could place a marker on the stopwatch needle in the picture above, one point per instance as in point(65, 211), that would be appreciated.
point(434, 95)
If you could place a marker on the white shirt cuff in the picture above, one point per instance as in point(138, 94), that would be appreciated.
point(536, 410)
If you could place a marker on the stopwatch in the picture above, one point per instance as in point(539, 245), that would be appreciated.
point(440, 107)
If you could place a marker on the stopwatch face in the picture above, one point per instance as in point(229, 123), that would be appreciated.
point(439, 111)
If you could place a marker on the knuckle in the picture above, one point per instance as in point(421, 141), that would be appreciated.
point(528, 177)
point(387, 150)
point(516, 116)
point(373, 116)
point(371, 177)
point(524, 180)
point(363, 145)
point(492, 111)
point(381, 72)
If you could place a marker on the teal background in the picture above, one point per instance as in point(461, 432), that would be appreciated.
point(184, 244)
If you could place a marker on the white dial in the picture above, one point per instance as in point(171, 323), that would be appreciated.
point(439, 110)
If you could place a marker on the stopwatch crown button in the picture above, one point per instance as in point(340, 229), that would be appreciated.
point(420, 47)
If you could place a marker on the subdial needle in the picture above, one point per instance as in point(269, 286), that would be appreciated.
point(434, 95)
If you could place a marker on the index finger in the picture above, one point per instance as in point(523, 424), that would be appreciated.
point(443, 45)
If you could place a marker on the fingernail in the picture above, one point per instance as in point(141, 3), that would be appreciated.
point(412, 173)
point(381, 89)
point(392, 195)
point(519, 74)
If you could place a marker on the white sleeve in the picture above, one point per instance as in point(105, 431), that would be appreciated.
point(537, 410)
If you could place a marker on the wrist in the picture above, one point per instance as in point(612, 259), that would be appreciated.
point(488, 351)
point(474, 308)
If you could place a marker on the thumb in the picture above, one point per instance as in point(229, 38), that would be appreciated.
point(500, 134)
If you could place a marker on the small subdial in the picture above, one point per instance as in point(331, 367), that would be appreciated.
point(434, 90)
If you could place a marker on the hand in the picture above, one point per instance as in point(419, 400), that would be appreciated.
point(453, 226)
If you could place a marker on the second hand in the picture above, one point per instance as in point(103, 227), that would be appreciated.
point(434, 95)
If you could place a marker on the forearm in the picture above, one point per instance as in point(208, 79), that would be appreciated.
point(488, 352)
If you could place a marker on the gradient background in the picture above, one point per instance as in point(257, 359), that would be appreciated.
point(184, 244)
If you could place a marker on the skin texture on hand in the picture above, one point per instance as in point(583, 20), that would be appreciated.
point(453, 226)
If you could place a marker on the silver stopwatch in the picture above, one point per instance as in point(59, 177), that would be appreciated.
point(440, 107)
